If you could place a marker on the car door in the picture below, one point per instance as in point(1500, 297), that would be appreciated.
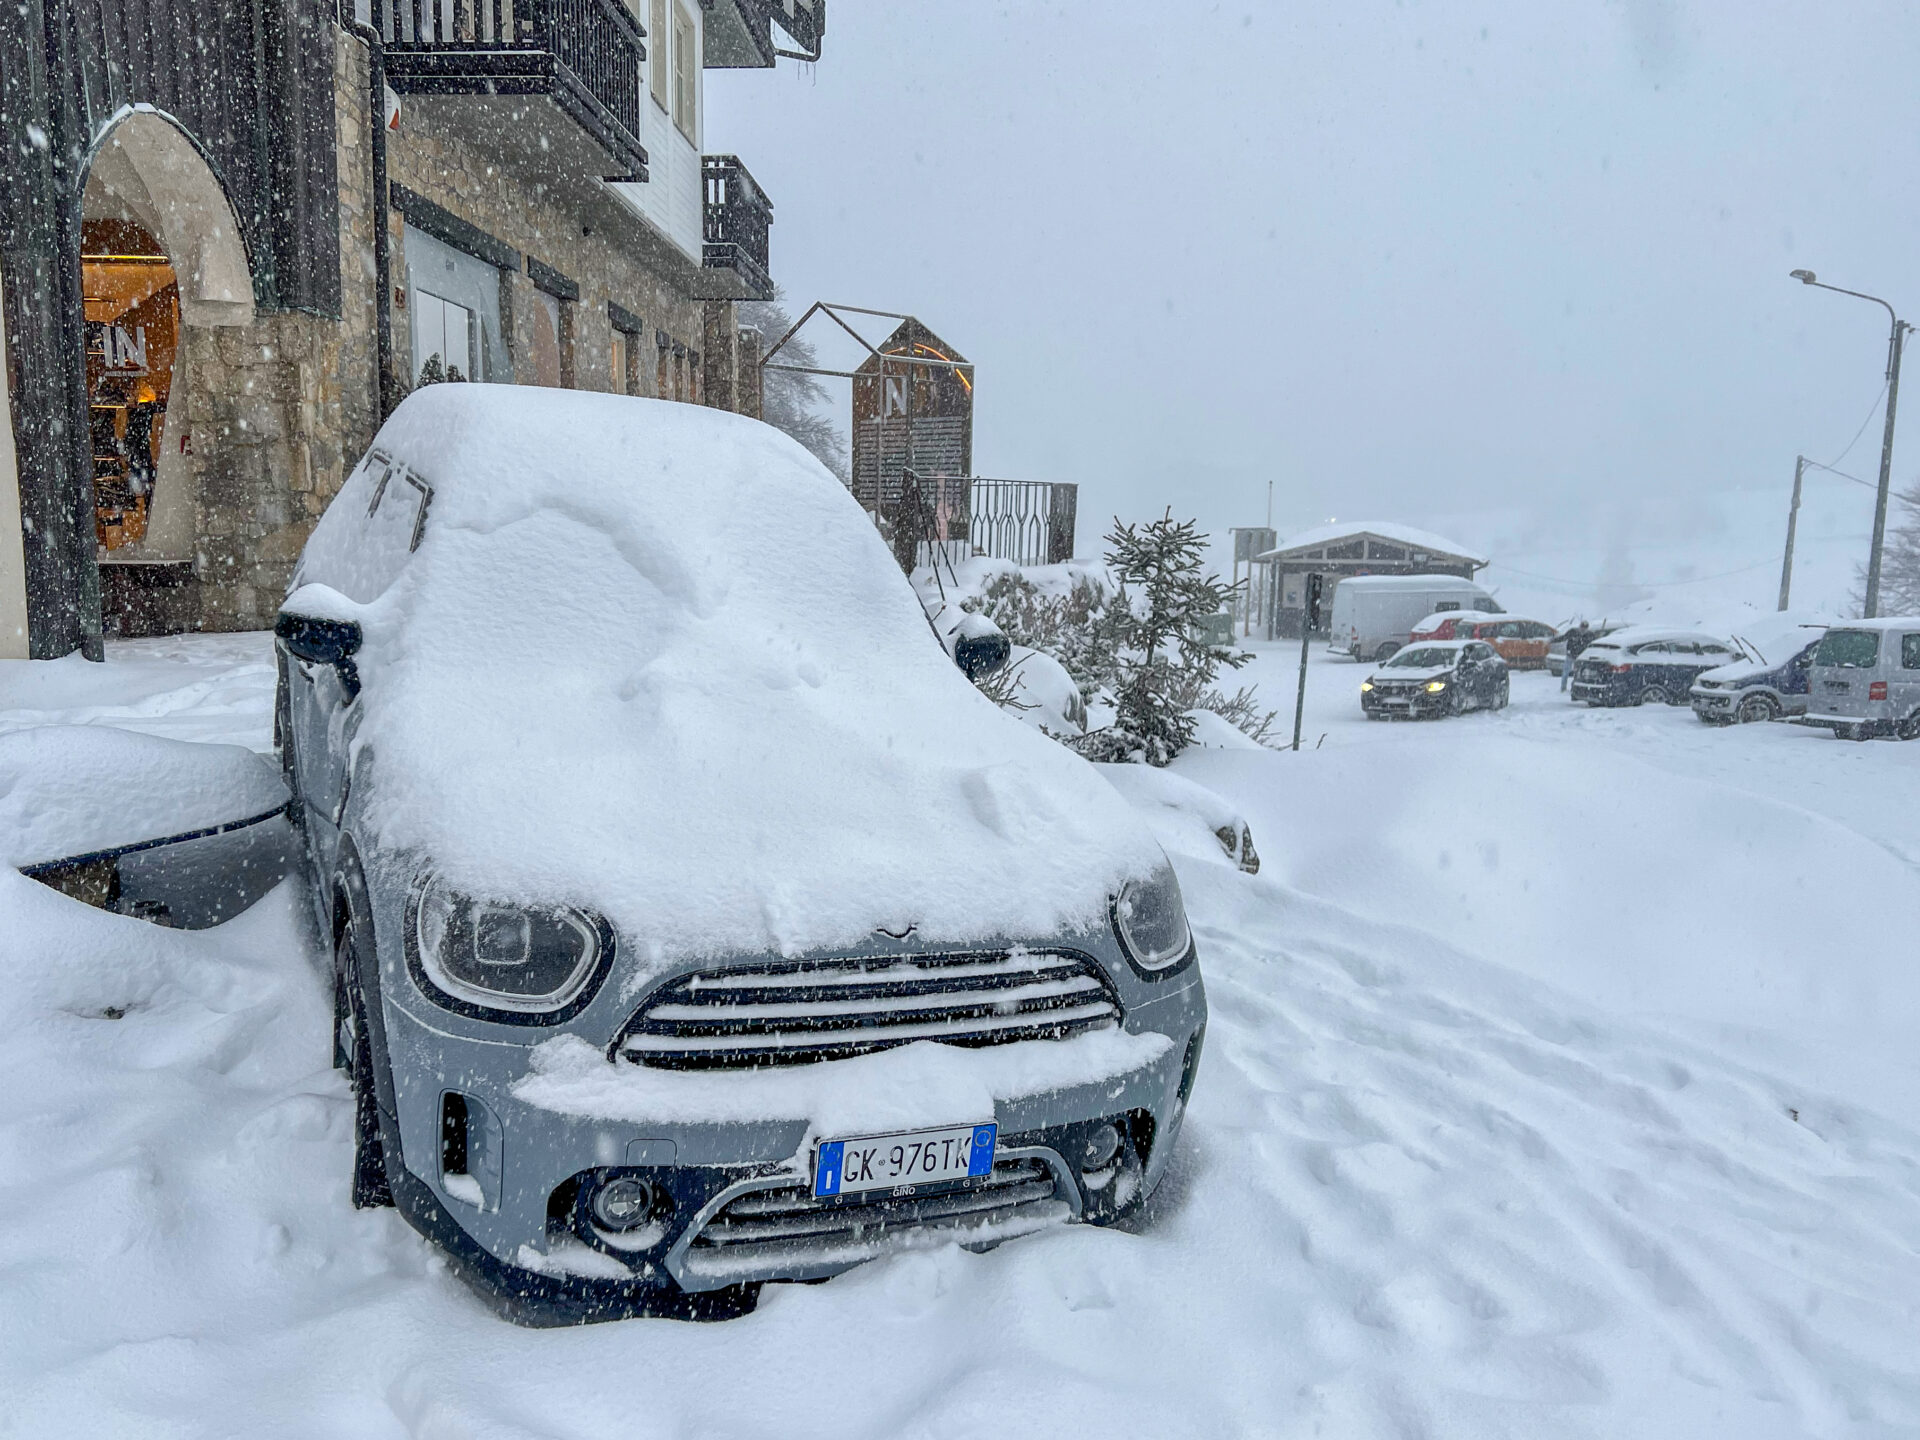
point(1904, 686)
point(1480, 664)
point(359, 553)
point(1793, 678)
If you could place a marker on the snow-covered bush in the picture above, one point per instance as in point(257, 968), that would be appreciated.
point(1162, 661)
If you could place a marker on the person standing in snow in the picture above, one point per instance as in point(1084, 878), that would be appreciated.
point(1578, 638)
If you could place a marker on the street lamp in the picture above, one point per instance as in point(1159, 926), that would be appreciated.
point(1894, 346)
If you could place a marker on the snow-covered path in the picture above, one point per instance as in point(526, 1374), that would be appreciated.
point(1488, 1141)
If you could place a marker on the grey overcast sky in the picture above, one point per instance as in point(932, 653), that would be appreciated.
point(1397, 258)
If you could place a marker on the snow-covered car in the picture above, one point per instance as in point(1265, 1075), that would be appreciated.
point(1865, 679)
point(1436, 677)
point(1756, 689)
point(696, 923)
point(1642, 665)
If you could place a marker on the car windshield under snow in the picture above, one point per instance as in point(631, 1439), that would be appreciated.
point(1426, 657)
point(1849, 649)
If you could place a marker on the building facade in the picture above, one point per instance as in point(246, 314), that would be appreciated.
point(237, 232)
point(1335, 552)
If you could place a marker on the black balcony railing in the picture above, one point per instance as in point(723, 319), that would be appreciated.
point(584, 54)
point(738, 216)
point(1030, 522)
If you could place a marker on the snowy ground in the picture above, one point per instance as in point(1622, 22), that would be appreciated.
point(1556, 1086)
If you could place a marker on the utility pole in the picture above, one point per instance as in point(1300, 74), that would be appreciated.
point(1894, 347)
point(1309, 622)
point(1793, 515)
point(1895, 344)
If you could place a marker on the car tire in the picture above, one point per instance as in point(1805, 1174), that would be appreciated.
point(1757, 708)
point(1909, 728)
point(1506, 694)
point(1653, 695)
point(370, 1188)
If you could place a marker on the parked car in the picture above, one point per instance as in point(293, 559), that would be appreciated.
point(1521, 643)
point(1436, 677)
point(1865, 679)
point(1641, 665)
point(644, 874)
point(1755, 689)
point(1446, 624)
point(1374, 615)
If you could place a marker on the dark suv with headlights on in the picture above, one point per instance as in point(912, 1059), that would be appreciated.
point(699, 925)
point(1430, 678)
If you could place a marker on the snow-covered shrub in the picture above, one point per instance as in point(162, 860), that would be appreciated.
point(1162, 660)
point(1080, 628)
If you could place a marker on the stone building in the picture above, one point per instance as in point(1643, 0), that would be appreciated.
point(237, 232)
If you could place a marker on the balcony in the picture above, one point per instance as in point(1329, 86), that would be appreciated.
point(737, 218)
point(583, 56)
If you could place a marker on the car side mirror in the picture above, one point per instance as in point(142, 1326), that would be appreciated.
point(979, 655)
point(322, 642)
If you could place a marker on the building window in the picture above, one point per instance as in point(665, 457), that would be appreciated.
point(617, 364)
point(686, 74)
point(657, 51)
point(453, 311)
point(548, 368)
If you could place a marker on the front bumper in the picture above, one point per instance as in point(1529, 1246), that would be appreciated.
point(1417, 705)
point(513, 1185)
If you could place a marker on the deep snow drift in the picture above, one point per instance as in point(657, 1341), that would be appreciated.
point(1457, 1164)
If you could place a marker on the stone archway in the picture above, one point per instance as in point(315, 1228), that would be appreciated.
point(164, 272)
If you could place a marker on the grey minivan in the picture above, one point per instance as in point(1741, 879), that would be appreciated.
point(1866, 679)
point(695, 922)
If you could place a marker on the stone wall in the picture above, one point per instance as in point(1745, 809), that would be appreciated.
point(455, 152)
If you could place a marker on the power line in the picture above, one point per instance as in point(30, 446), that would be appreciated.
point(1635, 584)
point(1861, 431)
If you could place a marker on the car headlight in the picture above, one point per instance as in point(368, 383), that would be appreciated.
point(1365, 686)
point(533, 964)
point(1152, 921)
point(1434, 687)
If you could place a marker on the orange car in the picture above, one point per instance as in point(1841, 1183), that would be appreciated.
point(1521, 643)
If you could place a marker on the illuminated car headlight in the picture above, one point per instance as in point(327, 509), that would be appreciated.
point(1365, 686)
point(535, 964)
point(1434, 687)
point(1152, 921)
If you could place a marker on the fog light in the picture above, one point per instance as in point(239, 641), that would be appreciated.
point(1100, 1149)
point(623, 1203)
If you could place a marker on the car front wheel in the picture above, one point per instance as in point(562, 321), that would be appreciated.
point(370, 1188)
point(1909, 728)
point(1757, 708)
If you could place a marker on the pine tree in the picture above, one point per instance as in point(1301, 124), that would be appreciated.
point(1162, 656)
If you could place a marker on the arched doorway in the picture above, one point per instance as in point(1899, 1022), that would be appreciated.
point(163, 270)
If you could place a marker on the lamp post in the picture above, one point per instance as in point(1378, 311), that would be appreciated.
point(1894, 347)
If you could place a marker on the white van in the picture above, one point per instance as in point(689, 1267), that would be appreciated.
point(1865, 679)
point(1374, 615)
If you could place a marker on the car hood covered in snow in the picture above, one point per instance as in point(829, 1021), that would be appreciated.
point(653, 659)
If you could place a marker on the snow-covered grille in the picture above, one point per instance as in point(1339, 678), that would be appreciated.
point(769, 1232)
point(790, 1013)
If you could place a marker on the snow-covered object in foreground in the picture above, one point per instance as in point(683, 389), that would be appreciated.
point(617, 732)
point(182, 833)
point(1188, 818)
point(1043, 693)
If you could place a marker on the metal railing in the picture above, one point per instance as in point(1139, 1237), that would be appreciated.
point(482, 46)
point(1030, 522)
point(737, 218)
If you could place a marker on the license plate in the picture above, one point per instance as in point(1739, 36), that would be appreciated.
point(902, 1161)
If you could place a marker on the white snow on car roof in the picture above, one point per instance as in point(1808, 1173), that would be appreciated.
point(653, 659)
point(1642, 634)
